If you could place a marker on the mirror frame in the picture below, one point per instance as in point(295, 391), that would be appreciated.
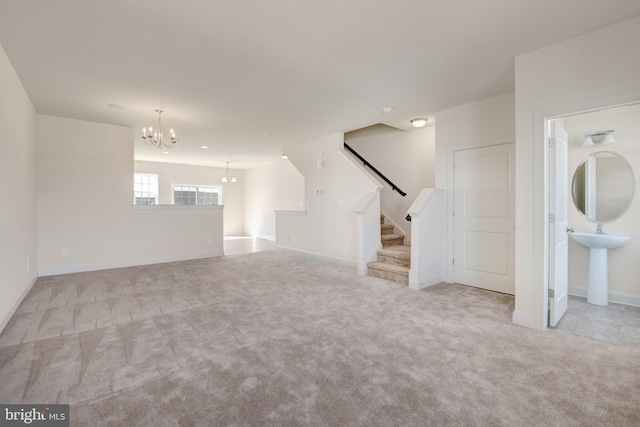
point(633, 187)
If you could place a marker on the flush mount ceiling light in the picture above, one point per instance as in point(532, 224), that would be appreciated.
point(283, 156)
point(225, 178)
point(419, 123)
point(603, 137)
point(156, 138)
point(387, 110)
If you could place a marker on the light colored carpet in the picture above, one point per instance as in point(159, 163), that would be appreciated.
point(276, 338)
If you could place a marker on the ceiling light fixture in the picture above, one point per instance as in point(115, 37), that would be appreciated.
point(283, 156)
point(419, 123)
point(603, 137)
point(156, 138)
point(225, 178)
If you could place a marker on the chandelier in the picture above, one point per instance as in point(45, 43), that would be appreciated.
point(156, 138)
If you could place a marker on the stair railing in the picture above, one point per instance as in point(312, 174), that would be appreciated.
point(370, 166)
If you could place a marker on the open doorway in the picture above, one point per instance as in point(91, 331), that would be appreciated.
point(619, 320)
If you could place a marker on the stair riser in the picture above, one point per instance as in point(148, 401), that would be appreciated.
point(404, 262)
point(393, 242)
point(395, 277)
point(386, 230)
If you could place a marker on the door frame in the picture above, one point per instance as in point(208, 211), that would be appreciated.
point(543, 301)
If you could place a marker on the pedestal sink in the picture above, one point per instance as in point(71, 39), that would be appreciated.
point(598, 244)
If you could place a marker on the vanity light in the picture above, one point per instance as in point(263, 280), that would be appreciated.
point(587, 141)
point(603, 137)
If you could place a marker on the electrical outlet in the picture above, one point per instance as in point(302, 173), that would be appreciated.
point(64, 252)
point(210, 241)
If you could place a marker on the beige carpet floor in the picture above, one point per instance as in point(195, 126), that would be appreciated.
point(276, 338)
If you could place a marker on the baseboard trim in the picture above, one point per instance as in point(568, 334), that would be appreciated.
point(614, 296)
point(322, 257)
point(525, 320)
point(4, 322)
point(434, 280)
point(265, 237)
point(124, 264)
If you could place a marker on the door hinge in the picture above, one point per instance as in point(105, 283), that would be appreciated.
point(453, 214)
point(552, 142)
point(454, 165)
point(552, 218)
point(551, 293)
point(453, 261)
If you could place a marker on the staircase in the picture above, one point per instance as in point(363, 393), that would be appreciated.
point(394, 259)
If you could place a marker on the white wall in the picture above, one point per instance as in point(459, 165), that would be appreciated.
point(85, 190)
point(329, 227)
point(18, 261)
point(406, 158)
point(483, 123)
point(275, 186)
point(594, 70)
point(624, 268)
point(170, 174)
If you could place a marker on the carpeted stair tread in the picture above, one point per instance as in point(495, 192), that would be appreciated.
point(392, 236)
point(395, 273)
point(389, 267)
point(402, 251)
point(386, 229)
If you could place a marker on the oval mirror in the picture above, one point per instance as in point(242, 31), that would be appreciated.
point(603, 186)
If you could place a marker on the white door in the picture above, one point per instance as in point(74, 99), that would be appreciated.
point(484, 218)
point(558, 223)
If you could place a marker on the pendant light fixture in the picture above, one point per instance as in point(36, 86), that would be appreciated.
point(225, 178)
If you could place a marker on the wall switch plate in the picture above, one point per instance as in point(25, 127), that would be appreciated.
point(64, 252)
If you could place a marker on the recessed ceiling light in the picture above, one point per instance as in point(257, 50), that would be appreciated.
point(165, 152)
point(117, 107)
point(387, 110)
point(203, 146)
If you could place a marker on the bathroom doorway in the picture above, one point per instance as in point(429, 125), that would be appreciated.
point(620, 320)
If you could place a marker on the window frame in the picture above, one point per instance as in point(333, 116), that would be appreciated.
point(217, 189)
point(154, 194)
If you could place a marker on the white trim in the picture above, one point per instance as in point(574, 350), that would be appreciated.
point(285, 212)
point(176, 207)
point(524, 320)
point(4, 322)
point(322, 257)
point(614, 296)
point(122, 264)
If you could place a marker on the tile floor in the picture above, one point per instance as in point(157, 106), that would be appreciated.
point(616, 323)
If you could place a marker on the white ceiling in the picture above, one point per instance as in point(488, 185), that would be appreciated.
point(228, 72)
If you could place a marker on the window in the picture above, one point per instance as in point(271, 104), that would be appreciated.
point(196, 195)
point(145, 189)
